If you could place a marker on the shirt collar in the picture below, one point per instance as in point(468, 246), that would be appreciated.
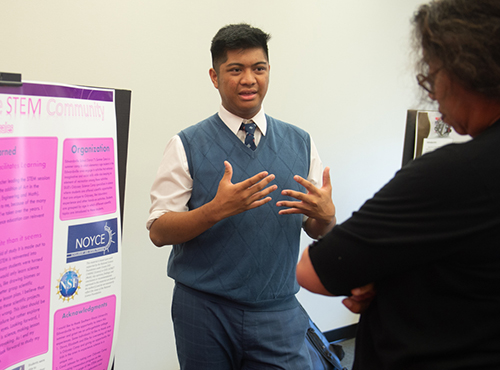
point(234, 122)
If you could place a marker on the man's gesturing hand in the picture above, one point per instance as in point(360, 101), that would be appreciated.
point(316, 204)
point(232, 199)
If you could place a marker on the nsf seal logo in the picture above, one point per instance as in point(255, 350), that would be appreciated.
point(91, 240)
point(68, 284)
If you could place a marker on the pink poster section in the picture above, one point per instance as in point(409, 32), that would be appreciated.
point(27, 187)
point(83, 335)
point(88, 178)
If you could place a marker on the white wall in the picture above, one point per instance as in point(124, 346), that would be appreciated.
point(340, 69)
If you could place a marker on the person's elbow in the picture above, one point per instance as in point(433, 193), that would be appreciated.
point(154, 239)
point(156, 236)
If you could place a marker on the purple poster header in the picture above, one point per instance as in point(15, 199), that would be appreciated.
point(57, 91)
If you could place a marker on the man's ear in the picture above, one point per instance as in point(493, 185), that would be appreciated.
point(213, 77)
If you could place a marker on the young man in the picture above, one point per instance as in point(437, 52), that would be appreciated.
point(236, 239)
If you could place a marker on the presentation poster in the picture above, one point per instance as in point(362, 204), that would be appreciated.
point(60, 237)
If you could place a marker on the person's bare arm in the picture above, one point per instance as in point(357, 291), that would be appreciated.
point(307, 277)
point(358, 302)
point(231, 199)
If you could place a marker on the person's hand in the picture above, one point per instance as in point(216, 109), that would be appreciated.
point(316, 203)
point(360, 299)
point(232, 199)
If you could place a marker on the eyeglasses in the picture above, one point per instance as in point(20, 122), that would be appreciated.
point(427, 82)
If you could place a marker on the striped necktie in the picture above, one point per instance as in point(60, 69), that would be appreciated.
point(249, 126)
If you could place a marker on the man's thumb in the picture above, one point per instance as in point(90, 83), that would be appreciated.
point(228, 172)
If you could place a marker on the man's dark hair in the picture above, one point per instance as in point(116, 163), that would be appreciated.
point(236, 37)
point(463, 36)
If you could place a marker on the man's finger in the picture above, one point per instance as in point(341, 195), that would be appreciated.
point(307, 184)
point(294, 194)
point(251, 181)
point(228, 171)
point(326, 177)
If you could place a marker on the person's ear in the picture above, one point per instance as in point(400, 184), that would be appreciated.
point(213, 77)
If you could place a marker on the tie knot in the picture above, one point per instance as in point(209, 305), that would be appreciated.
point(249, 126)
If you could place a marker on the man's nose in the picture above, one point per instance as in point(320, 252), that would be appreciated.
point(248, 77)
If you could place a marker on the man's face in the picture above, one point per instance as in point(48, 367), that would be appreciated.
point(242, 81)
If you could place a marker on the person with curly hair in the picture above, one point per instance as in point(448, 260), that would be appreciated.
point(426, 247)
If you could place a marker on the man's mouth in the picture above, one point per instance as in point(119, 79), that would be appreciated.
point(247, 95)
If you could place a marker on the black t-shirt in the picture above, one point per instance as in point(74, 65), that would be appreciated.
point(430, 240)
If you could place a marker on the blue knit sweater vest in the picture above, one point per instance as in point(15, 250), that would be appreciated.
point(248, 258)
